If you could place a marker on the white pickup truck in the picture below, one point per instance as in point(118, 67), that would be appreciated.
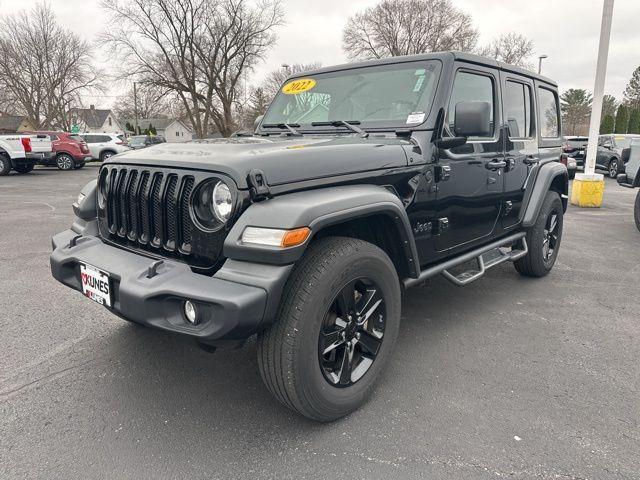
point(20, 152)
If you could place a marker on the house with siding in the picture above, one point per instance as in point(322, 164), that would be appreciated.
point(172, 129)
point(96, 120)
point(15, 124)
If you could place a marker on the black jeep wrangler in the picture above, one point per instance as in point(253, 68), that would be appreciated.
point(360, 181)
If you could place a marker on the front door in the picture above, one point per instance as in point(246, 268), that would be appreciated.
point(521, 147)
point(469, 177)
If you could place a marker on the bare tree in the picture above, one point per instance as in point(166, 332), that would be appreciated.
point(512, 48)
point(45, 68)
point(152, 102)
point(405, 27)
point(199, 49)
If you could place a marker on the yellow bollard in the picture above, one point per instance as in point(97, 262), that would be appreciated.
point(587, 190)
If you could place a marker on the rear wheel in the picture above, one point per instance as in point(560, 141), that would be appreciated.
point(25, 168)
point(105, 155)
point(65, 162)
point(5, 164)
point(338, 321)
point(543, 239)
point(614, 168)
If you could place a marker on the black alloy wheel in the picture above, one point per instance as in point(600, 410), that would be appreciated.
point(352, 333)
point(550, 236)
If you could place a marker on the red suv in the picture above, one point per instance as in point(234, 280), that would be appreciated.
point(69, 151)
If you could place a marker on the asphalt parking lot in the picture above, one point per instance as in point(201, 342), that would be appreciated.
point(509, 377)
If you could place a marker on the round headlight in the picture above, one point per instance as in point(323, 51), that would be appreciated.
point(213, 204)
point(222, 201)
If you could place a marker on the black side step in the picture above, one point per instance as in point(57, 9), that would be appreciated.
point(487, 256)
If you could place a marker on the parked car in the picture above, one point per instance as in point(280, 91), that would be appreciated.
point(104, 145)
point(361, 180)
point(610, 148)
point(15, 153)
point(69, 151)
point(631, 177)
point(571, 164)
point(142, 141)
point(575, 147)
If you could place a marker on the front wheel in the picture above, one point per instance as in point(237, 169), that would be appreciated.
point(338, 321)
point(543, 239)
point(636, 211)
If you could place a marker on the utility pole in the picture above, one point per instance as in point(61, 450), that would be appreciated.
point(135, 107)
point(598, 89)
point(588, 187)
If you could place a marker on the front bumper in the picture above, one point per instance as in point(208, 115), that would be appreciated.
point(230, 307)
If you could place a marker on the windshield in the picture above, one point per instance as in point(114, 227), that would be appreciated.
point(396, 95)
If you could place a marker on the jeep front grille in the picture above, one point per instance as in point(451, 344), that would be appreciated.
point(148, 209)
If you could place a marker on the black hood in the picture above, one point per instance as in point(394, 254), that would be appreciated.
point(282, 159)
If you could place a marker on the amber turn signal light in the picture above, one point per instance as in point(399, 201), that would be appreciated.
point(295, 237)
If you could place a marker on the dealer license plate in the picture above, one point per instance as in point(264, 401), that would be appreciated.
point(95, 284)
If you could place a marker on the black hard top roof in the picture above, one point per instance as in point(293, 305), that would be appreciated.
point(461, 56)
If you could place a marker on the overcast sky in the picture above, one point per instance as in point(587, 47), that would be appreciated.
point(565, 30)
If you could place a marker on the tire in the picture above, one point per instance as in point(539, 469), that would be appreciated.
point(309, 322)
point(636, 211)
point(543, 243)
point(106, 154)
point(24, 168)
point(613, 168)
point(572, 174)
point(65, 161)
point(5, 165)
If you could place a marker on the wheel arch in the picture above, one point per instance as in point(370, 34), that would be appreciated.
point(368, 212)
point(551, 176)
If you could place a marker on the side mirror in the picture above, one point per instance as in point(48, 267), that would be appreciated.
point(257, 121)
point(473, 119)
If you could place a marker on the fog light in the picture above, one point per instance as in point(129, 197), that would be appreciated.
point(190, 312)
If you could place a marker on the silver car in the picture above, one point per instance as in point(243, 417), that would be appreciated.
point(104, 145)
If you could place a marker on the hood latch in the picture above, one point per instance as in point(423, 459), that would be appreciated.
point(258, 183)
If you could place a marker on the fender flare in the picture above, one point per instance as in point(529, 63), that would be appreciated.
point(536, 190)
point(318, 209)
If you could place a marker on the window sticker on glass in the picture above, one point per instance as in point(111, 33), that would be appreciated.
point(416, 117)
point(299, 85)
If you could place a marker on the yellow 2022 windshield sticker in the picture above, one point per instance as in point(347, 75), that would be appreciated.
point(300, 85)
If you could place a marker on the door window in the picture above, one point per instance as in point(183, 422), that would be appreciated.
point(472, 87)
point(518, 109)
point(548, 113)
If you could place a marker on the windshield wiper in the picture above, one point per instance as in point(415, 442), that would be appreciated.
point(351, 125)
point(289, 126)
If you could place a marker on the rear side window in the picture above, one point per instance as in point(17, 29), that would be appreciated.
point(53, 136)
point(518, 108)
point(77, 138)
point(548, 113)
point(471, 87)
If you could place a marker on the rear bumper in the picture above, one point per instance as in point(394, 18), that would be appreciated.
point(231, 306)
point(39, 156)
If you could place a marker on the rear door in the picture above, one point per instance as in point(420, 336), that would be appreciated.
point(469, 178)
point(521, 145)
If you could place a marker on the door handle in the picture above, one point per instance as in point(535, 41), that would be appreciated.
point(496, 164)
point(530, 160)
